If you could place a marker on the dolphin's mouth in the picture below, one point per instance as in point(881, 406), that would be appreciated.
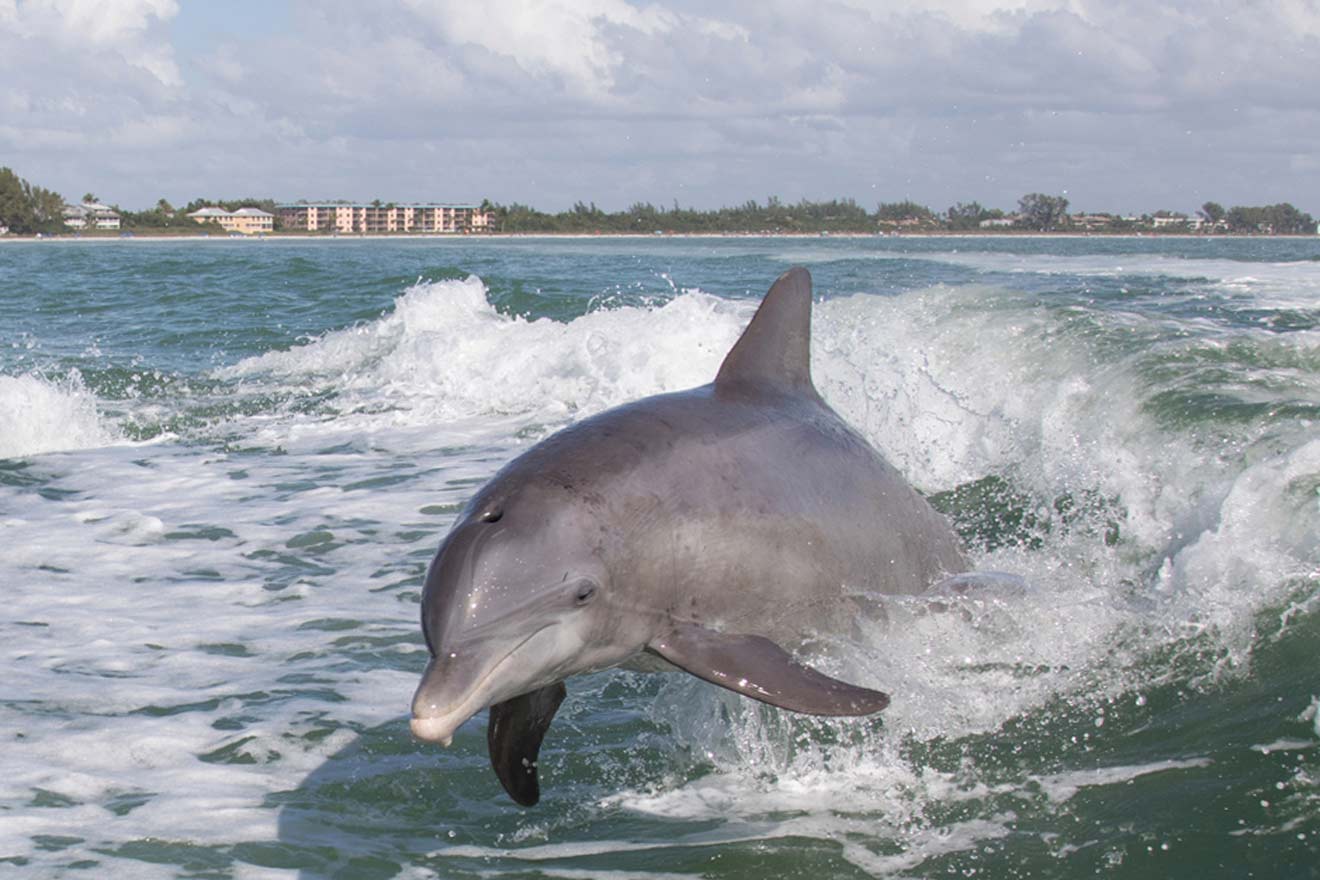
point(437, 730)
point(432, 723)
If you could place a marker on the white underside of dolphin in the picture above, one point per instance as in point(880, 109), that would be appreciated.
point(713, 529)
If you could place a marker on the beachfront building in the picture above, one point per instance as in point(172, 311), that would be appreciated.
point(245, 221)
point(90, 215)
point(350, 218)
point(250, 220)
point(1165, 220)
point(1091, 222)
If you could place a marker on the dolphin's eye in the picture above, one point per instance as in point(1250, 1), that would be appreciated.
point(586, 591)
point(494, 515)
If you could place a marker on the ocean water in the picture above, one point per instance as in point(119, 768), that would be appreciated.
point(225, 465)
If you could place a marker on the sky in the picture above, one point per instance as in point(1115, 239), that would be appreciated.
point(1126, 106)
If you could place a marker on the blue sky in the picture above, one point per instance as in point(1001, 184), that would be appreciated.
point(199, 25)
point(1119, 105)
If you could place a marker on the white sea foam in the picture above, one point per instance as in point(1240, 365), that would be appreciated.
point(175, 592)
point(444, 353)
point(844, 830)
point(1062, 787)
point(39, 415)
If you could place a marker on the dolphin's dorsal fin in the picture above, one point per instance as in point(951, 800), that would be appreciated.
point(775, 349)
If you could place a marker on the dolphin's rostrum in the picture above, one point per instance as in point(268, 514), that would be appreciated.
point(712, 529)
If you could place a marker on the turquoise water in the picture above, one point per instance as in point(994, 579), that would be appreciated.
point(224, 466)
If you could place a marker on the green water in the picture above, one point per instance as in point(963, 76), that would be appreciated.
point(224, 467)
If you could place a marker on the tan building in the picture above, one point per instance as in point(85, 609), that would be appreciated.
point(1088, 222)
point(361, 218)
point(247, 221)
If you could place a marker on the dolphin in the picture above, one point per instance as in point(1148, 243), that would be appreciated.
point(712, 530)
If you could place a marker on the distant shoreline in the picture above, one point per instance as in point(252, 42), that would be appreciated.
point(388, 236)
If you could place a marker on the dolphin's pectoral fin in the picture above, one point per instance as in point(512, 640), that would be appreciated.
point(946, 595)
point(758, 668)
point(994, 583)
point(514, 737)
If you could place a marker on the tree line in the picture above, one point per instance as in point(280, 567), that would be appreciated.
point(1036, 212)
point(28, 209)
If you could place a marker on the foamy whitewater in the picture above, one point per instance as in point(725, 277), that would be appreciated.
point(224, 467)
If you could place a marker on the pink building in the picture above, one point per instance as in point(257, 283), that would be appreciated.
point(360, 218)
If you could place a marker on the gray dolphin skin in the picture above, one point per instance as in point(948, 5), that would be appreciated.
point(714, 529)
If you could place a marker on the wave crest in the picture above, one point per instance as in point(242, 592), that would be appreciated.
point(38, 415)
point(445, 352)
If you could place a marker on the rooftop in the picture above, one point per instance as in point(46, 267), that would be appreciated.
point(89, 208)
point(213, 211)
point(382, 205)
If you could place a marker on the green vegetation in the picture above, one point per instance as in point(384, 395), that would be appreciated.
point(26, 209)
point(1212, 212)
point(964, 217)
point(752, 217)
point(1036, 212)
point(1041, 213)
point(163, 218)
point(1281, 219)
point(643, 217)
point(905, 214)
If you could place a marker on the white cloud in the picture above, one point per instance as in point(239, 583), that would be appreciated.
point(567, 38)
point(95, 21)
point(121, 26)
point(549, 101)
point(151, 133)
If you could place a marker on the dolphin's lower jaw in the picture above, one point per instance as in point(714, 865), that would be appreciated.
point(446, 698)
point(439, 710)
point(436, 730)
point(452, 692)
point(436, 720)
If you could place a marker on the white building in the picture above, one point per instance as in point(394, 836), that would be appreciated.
point(1193, 223)
point(90, 215)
